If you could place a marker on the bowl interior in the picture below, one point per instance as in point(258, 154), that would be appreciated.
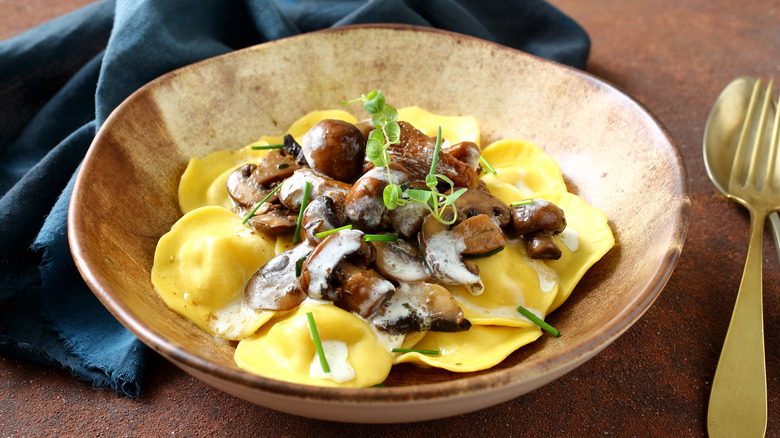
point(612, 152)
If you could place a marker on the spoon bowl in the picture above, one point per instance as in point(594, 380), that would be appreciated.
point(721, 135)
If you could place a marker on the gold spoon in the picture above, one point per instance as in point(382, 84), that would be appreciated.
point(721, 134)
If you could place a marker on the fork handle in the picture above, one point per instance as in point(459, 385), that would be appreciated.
point(738, 401)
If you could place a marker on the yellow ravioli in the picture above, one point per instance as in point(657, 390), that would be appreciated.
point(204, 181)
point(511, 279)
point(585, 240)
point(285, 350)
point(455, 129)
point(202, 266)
point(479, 348)
point(524, 166)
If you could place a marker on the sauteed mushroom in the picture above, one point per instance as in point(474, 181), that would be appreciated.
point(335, 148)
point(537, 222)
point(420, 306)
point(274, 286)
point(270, 218)
point(365, 205)
point(442, 250)
point(415, 152)
point(465, 151)
point(327, 256)
point(400, 261)
point(322, 214)
point(243, 187)
point(474, 202)
point(291, 193)
point(480, 235)
point(363, 290)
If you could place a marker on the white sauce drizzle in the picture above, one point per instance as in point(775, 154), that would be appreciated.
point(231, 320)
point(570, 238)
point(336, 353)
point(443, 254)
point(547, 277)
point(508, 312)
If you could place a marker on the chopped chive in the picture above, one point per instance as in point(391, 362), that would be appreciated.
point(322, 234)
point(416, 350)
point(315, 335)
point(535, 319)
point(379, 385)
point(252, 213)
point(299, 264)
point(380, 238)
point(436, 153)
point(523, 202)
point(487, 165)
point(282, 165)
point(304, 203)
point(266, 147)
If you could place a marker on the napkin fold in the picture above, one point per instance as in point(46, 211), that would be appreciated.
point(59, 82)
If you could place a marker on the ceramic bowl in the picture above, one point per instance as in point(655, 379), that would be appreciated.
point(612, 151)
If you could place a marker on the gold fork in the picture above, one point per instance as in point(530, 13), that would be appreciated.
point(738, 401)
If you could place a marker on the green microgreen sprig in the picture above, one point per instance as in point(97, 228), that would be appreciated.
point(387, 132)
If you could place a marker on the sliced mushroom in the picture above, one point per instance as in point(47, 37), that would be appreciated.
point(365, 204)
point(415, 152)
point(270, 218)
point(250, 183)
point(243, 187)
point(474, 202)
point(407, 219)
point(542, 245)
point(420, 306)
point(400, 261)
point(293, 148)
point(274, 286)
point(291, 192)
point(276, 166)
point(363, 290)
point(335, 148)
point(316, 273)
point(480, 235)
point(465, 151)
point(365, 127)
point(537, 222)
point(442, 250)
point(322, 214)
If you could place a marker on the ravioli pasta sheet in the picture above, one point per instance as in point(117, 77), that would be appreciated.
point(202, 266)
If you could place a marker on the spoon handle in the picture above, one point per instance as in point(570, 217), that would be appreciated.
point(738, 401)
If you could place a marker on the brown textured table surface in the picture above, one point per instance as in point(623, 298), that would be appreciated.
point(673, 55)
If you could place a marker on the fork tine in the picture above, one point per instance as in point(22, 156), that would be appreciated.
point(758, 145)
point(774, 143)
point(739, 153)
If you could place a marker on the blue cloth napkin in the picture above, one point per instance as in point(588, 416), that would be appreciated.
point(59, 82)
